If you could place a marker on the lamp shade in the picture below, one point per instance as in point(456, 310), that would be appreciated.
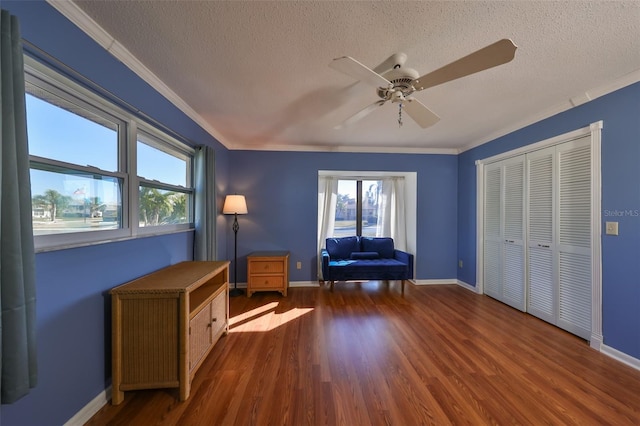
point(235, 204)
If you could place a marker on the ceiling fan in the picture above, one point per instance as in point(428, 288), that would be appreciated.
point(396, 83)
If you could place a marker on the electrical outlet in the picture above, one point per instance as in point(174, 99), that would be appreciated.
point(298, 265)
point(460, 263)
point(611, 228)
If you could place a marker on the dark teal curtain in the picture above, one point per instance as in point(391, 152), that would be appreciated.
point(205, 204)
point(17, 258)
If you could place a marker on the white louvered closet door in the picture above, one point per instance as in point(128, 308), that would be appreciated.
point(574, 237)
point(504, 260)
point(559, 235)
point(513, 233)
point(542, 252)
point(546, 270)
point(492, 246)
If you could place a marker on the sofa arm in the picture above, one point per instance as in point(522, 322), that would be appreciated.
point(325, 263)
point(404, 257)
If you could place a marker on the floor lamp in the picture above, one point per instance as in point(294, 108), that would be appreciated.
point(235, 205)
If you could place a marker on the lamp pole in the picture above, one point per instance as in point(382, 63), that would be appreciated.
point(236, 291)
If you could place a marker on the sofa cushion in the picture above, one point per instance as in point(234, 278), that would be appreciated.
point(368, 269)
point(382, 245)
point(364, 255)
point(341, 248)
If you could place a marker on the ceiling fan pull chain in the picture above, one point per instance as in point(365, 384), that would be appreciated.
point(400, 114)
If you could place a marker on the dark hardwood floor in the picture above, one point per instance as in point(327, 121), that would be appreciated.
point(369, 354)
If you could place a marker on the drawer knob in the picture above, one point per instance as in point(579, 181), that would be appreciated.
point(214, 320)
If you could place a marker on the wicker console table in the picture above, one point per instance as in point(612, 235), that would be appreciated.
point(164, 325)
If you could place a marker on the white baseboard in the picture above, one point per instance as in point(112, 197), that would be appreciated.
point(447, 281)
point(89, 410)
point(435, 282)
point(468, 286)
point(595, 341)
point(621, 356)
point(304, 284)
point(291, 284)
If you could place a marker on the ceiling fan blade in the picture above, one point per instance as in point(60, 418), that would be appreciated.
point(360, 114)
point(355, 69)
point(491, 56)
point(420, 113)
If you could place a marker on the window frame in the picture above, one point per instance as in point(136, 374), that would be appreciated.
point(172, 147)
point(50, 79)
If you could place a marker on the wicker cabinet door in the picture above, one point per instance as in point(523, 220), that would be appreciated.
point(200, 336)
point(218, 314)
point(149, 333)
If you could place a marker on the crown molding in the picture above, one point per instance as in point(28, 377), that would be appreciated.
point(351, 149)
point(83, 21)
point(605, 89)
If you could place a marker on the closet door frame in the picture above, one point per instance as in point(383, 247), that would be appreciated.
point(594, 130)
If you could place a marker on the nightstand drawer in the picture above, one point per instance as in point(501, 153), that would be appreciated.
point(267, 281)
point(267, 266)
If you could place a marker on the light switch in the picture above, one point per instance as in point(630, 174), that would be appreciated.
point(611, 228)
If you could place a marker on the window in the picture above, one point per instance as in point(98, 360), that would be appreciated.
point(165, 196)
point(83, 187)
point(387, 203)
point(357, 208)
point(76, 184)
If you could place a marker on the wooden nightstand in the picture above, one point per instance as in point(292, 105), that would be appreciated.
point(268, 271)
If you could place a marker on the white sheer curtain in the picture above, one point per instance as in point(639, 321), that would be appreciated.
point(327, 198)
point(391, 212)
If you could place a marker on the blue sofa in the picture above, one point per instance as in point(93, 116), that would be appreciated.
point(364, 258)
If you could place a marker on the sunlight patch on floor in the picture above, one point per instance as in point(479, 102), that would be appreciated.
point(264, 318)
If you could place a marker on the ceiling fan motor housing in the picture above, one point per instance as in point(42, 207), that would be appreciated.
point(401, 80)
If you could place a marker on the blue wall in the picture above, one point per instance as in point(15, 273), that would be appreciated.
point(282, 199)
point(74, 323)
point(620, 112)
point(73, 307)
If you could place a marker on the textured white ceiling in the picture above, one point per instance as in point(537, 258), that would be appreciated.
point(256, 74)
